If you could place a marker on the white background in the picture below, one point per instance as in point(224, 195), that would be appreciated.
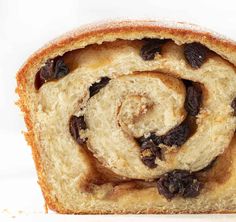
point(24, 27)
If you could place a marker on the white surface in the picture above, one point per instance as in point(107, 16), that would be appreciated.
point(24, 27)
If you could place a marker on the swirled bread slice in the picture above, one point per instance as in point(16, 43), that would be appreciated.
point(133, 117)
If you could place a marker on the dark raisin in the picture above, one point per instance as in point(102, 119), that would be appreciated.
point(195, 53)
point(187, 83)
point(179, 183)
point(148, 157)
point(192, 189)
point(151, 48)
point(75, 125)
point(233, 105)
point(156, 139)
point(155, 150)
point(47, 71)
point(60, 68)
point(149, 152)
point(149, 161)
point(141, 140)
point(178, 135)
point(94, 89)
point(52, 70)
point(147, 145)
point(193, 100)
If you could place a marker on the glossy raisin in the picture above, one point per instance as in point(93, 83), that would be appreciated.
point(52, 70)
point(179, 183)
point(151, 48)
point(75, 125)
point(155, 150)
point(149, 161)
point(95, 87)
point(193, 100)
point(187, 83)
point(156, 139)
point(178, 135)
point(195, 53)
point(149, 151)
point(233, 105)
point(60, 68)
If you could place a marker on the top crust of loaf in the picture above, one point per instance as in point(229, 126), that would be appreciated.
point(131, 29)
point(98, 33)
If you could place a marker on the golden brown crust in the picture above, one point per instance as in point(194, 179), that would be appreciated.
point(109, 32)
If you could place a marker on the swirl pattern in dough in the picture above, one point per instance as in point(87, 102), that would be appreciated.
point(142, 115)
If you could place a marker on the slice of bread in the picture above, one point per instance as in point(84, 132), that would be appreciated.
point(133, 117)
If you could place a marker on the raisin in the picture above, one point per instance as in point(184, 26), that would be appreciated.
point(47, 71)
point(233, 105)
point(195, 53)
point(75, 125)
point(95, 88)
point(193, 100)
point(149, 161)
point(151, 48)
point(147, 145)
point(156, 139)
point(149, 152)
point(148, 157)
point(178, 135)
point(142, 139)
point(192, 189)
point(179, 183)
point(187, 83)
point(60, 68)
point(155, 150)
point(52, 70)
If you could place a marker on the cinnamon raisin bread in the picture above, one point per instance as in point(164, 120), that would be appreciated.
point(133, 117)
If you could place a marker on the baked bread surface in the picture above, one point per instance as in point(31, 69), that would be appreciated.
point(100, 180)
